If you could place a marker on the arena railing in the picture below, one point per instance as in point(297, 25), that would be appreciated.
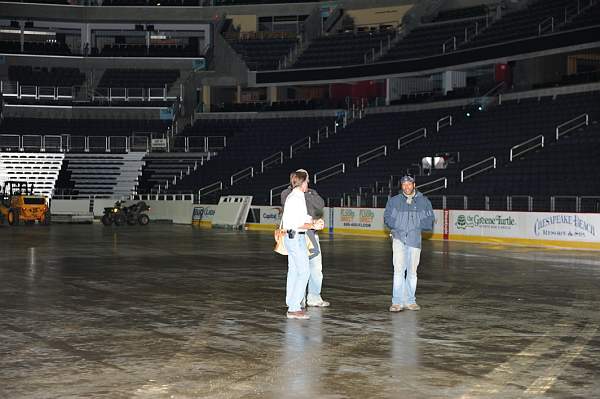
point(305, 142)
point(443, 122)
point(434, 185)
point(371, 154)
point(574, 9)
point(470, 32)
point(330, 172)
point(545, 26)
point(372, 55)
point(210, 189)
point(276, 191)
point(477, 168)
point(412, 136)
point(572, 124)
point(322, 133)
point(275, 159)
point(72, 143)
point(526, 146)
point(449, 44)
point(16, 90)
point(521, 203)
point(199, 143)
point(242, 174)
point(588, 203)
point(134, 94)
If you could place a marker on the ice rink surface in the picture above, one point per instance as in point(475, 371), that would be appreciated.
point(173, 311)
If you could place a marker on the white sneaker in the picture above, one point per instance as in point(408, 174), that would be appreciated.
point(413, 306)
point(319, 304)
point(396, 308)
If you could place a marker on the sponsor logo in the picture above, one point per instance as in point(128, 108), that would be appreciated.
point(201, 212)
point(273, 214)
point(365, 218)
point(464, 222)
point(347, 215)
point(564, 226)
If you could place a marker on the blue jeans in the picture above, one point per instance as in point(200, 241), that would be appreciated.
point(298, 271)
point(316, 277)
point(406, 260)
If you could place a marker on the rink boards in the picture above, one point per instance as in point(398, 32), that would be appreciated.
point(563, 230)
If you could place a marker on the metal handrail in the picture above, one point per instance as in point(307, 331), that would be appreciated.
point(319, 133)
point(476, 25)
point(334, 170)
point(542, 25)
point(211, 188)
point(555, 197)
point(88, 147)
point(304, 142)
point(273, 192)
point(270, 160)
point(445, 198)
point(509, 201)
point(210, 146)
point(46, 146)
point(242, 174)
point(586, 122)
point(35, 142)
point(422, 130)
point(464, 176)
point(539, 142)
point(133, 143)
point(493, 89)
point(443, 122)
point(372, 154)
point(65, 142)
point(588, 197)
point(453, 40)
point(440, 187)
point(11, 145)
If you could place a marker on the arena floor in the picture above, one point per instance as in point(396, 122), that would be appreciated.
point(179, 312)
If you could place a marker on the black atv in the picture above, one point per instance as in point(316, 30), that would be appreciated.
point(132, 214)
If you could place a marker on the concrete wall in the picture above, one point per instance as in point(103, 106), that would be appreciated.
point(246, 23)
point(177, 211)
point(379, 15)
point(70, 207)
point(170, 14)
point(539, 70)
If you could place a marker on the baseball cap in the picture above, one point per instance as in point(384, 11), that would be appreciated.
point(407, 178)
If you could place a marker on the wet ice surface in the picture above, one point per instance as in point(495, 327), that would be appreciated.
point(179, 312)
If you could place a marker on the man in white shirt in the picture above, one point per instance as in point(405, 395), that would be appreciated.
point(314, 205)
point(296, 221)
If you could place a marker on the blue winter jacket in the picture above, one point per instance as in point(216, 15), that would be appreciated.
point(408, 221)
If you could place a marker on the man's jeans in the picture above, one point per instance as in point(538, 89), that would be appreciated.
point(298, 272)
point(406, 260)
point(316, 278)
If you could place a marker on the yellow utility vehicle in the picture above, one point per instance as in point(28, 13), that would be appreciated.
point(18, 204)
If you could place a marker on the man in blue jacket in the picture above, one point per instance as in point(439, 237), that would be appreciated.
point(407, 215)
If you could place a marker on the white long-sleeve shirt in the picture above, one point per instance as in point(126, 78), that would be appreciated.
point(294, 211)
